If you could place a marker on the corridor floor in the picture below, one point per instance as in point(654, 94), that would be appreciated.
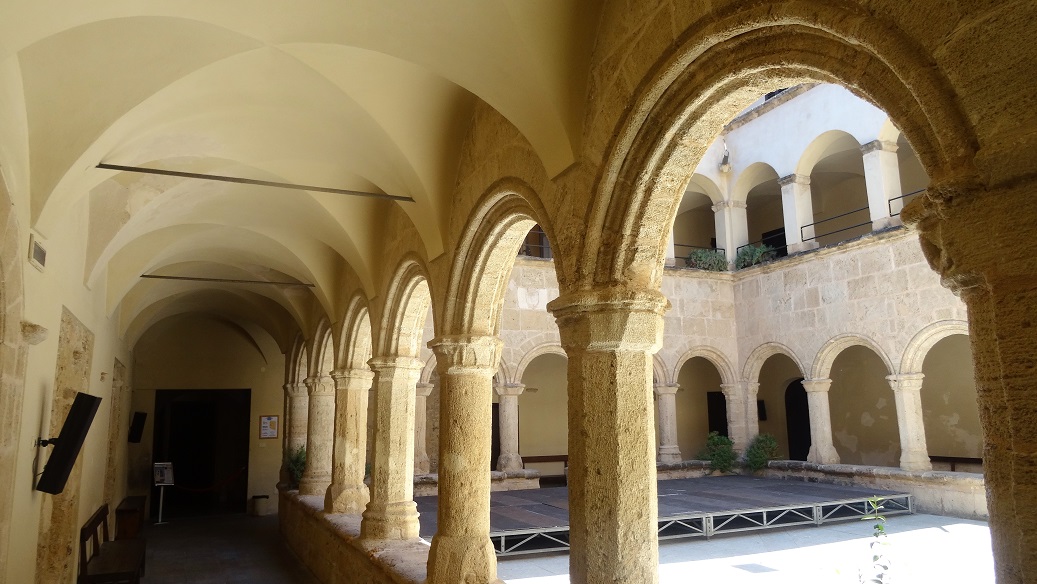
point(239, 549)
point(225, 549)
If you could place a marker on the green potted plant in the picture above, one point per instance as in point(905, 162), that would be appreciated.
point(751, 255)
point(762, 449)
point(712, 260)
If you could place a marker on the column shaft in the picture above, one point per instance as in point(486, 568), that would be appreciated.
point(666, 403)
point(461, 549)
point(320, 436)
point(914, 455)
point(298, 413)
point(348, 493)
point(610, 337)
point(509, 459)
point(421, 460)
point(882, 179)
point(737, 422)
point(798, 210)
point(822, 448)
point(391, 513)
point(732, 227)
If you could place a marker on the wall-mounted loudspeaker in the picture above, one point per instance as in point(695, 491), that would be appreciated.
point(37, 255)
point(68, 443)
point(137, 426)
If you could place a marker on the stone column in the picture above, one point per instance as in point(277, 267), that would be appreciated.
point(610, 336)
point(461, 549)
point(666, 403)
point(391, 513)
point(822, 449)
point(732, 227)
point(320, 436)
point(298, 412)
point(798, 210)
point(882, 178)
point(752, 412)
point(737, 423)
point(421, 461)
point(914, 455)
point(348, 493)
point(509, 459)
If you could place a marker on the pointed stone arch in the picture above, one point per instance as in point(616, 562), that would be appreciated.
point(822, 366)
point(723, 63)
point(926, 339)
point(406, 305)
point(322, 347)
point(355, 337)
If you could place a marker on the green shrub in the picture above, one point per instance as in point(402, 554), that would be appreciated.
point(763, 448)
point(720, 452)
point(295, 464)
point(712, 260)
point(751, 255)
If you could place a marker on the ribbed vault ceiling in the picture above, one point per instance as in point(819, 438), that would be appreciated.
point(365, 95)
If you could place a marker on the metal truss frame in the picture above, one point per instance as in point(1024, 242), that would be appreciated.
point(556, 539)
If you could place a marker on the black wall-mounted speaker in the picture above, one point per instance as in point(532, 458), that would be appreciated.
point(137, 426)
point(68, 443)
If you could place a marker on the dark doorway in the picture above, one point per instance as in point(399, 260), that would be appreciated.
point(797, 420)
point(776, 240)
point(716, 409)
point(495, 437)
point(205, 434)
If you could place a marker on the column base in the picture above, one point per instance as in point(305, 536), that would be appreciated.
point(314, 485)
point(803, 246)
point(823, 455)
point(454, 559)
point(509, 462)
point(918, 461)
point(397, 520)
point(342, 498)
point(669, 454)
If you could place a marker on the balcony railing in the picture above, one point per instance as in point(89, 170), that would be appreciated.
point(834, 231)
point(904, 201)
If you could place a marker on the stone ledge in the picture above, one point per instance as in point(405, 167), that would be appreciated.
point(331, 549)
point(427, 485)
point(957, 494)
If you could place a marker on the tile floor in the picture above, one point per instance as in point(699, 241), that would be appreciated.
point(225, 549)
point(922, 548)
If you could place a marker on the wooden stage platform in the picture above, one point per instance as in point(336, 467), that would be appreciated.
point(536, 520)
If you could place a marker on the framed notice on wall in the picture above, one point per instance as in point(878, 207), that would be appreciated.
point(268, 426)
point(163, 474)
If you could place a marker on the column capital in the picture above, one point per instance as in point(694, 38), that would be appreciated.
point(467, 352)
point(799, 179)
point(610, 319)
point(295, 389)
point(386, 362)
point(878, 146)
point(347, 374)
point(817, 385)
point(733, 388)
point(515, 389)
point(906, 381)
point(322, 385)
point(423, 389)
point(725, 205)
point(666, 389)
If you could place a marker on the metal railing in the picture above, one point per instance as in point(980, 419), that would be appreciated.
point(833, 232)
point(689, 249)
point(540, 249)
point(902, 198)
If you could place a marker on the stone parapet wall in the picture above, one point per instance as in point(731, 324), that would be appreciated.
point(330, 548)
point(955, 494)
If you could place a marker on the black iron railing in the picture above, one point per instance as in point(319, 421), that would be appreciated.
point(833, 232)
point(903, 198)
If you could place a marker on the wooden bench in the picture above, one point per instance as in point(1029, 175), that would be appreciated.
point(104, 561)
point(129, 517)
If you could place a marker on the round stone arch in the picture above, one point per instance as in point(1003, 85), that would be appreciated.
point(545, 349)
point(754, 363)
point(486, 254)
point(298, 360)
point(822, 366)
point(926, 339)
point(322, 347)
point(751, 177)
point(818, 148)
point(659, 372)
point(354, 337)
point(402, 319)
point(723, 63)
point(714, 356)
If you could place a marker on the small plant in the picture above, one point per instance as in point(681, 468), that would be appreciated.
point(762, 449)
point(751, 255)
point(295, 464)
point(720, 452)
point(712, 260)
point(880, 565)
